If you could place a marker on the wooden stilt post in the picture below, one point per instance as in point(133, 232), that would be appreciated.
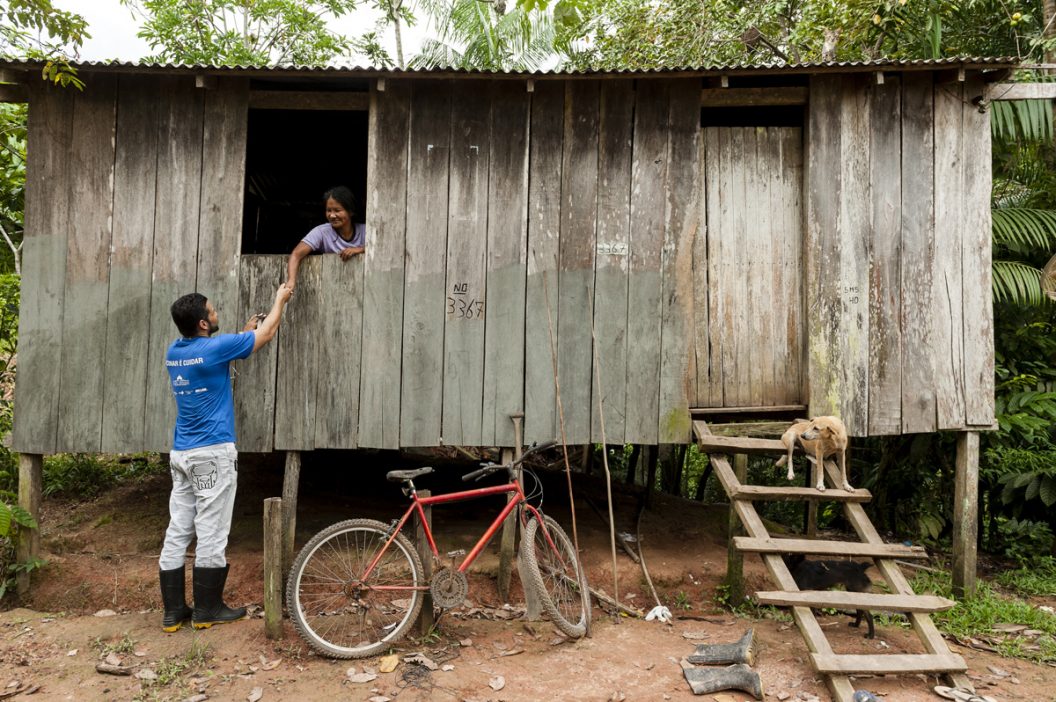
point(734, 558)
point(965, 514)
point(811, 526)
point(290, 482)
point(30, 488)
point(274, 573)
point(425, 619)
point(509, 539)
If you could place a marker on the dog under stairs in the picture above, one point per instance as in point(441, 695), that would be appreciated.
point(836, 668)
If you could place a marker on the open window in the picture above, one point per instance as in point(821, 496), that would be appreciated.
point(293, 156)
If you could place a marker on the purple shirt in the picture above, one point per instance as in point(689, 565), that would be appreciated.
point(325, 239)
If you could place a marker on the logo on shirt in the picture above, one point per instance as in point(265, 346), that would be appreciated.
point(180, 381)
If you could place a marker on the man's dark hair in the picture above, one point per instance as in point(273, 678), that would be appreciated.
point(345, 198)
point(188, 311)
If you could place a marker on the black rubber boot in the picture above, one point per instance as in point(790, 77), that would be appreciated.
point(209, 607)
point(173, 597)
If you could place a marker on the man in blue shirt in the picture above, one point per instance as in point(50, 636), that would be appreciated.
point(203, 460)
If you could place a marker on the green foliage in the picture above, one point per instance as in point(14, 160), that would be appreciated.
point(1036, 579)
point(242, 32)
point(1017, 120)
point(86, 475)
point(1022, 541)
point(38, 30)
point(12, 183)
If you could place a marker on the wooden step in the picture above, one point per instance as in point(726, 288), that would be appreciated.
point(874, 602)
point(767, 493)
point(712, 443)
point(887, 663)
point(811, 547)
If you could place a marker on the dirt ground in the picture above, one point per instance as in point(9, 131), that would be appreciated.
point(98, 595)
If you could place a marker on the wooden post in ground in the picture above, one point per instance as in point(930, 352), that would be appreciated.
point(30, 488)
point(290, 481)
point(810, 528)
point(274, 573)
point(509, 540)
point(965, 514)
point(734, 558)
point(425, 619)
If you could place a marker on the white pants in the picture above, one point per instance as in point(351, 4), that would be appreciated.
point(201, 503)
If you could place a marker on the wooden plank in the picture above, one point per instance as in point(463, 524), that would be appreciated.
point(753, 97)
point(736, 266)
point(308, 100)
point(544, 225)
point(830, 548)
point(742, 444)
point(782, 290)
point(379, 396)
point(709, 379)
point(223, 187)
point(579, 213)
point(855, 232)
point(885, 284)
point(822, 246)
point(648, 195)
point(504, 362)
point(175, 243)
point(421, 397)
point(792, 210)
point(947, 324)
point(84, 317)
point(30, 496)
point(965, 514)
point(254, 379)
point(683, 222)
point(710, 281)
point(918, 254)
point(903, 663)
point(771, 409)
point(131, 254)
point(758, 257)
point(841, 599)
point(978, 308)
point(467, 244)
point(611, 265)
point(50, 137)
point(760, 492)
point(1020, 91)
point(297, 372)
point(760, 430)
point(339, 325)
point(14, 93)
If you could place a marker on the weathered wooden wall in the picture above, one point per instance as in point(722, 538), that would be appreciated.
point(845, 264)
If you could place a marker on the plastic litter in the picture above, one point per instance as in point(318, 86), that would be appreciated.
point(660, 613)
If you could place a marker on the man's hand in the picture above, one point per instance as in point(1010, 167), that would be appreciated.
point(291, 284)
point(348, 253)
point(284, 293)
point(254, 321)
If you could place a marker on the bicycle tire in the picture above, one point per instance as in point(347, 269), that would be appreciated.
point(339, 619)
point(561, 588)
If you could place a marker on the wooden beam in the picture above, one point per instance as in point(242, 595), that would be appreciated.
point(874, 602)
point(734, 558)
point(273, 568)
point(769, 409)
point(965, 514)
point(506, 545)
point(421, 542)
point(741, 444)
point(777, 494)
point(308, 100)
point(752, 97)
point(290, 481)
point(758, 430)
point(13, 92)
point(890, 663)
point(10, 75)
point(30, 489)
point(829, 548)
point(1022, 91)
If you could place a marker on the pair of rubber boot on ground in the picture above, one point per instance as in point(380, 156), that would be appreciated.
point(738, 676)
point(209, 607)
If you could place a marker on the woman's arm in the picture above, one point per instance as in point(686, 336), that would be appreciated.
point(293, 265)
point(352, 251)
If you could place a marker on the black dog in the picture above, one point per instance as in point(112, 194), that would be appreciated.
point(824, 575)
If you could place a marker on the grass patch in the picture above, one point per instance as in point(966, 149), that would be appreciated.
point(172, 669)
point(86, 475)
point(1038, 579)
point(126, 645)
point(976, 618)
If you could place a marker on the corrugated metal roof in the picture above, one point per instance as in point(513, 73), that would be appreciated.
point(969, 62)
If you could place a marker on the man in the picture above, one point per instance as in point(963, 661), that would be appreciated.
point(204, 461)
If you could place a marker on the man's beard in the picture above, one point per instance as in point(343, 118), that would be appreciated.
point(213, 328)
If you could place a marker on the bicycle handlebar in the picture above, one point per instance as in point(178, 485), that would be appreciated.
point(489, 468)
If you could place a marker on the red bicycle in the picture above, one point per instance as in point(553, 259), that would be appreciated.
point(357, 586)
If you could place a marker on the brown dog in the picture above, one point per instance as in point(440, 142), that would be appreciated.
point(820, 437)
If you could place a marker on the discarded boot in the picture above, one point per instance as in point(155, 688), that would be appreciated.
point(724, 654)
point(174, 599)
point(734, 677)
point(209, 607)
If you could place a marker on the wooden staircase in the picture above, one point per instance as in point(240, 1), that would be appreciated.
point(837, 668)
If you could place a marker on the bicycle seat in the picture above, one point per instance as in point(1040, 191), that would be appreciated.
point(398, 476)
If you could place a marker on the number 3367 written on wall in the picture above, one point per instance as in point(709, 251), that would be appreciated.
point(462, 304)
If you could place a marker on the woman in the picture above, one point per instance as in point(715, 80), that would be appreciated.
point(338, 236)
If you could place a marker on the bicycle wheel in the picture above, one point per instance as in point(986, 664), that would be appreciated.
point(556, 575)
point(338, 613)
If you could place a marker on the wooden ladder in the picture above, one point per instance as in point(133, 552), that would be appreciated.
point(837, 669)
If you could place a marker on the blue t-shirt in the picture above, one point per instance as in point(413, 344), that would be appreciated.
point(199, 370)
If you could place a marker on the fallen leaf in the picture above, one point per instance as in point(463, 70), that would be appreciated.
point(512, 652)
point(113, 659)
point(465, 642)
point(447, 667)
point(146, 674)
point(724, 698)
point(388, 663)
point(106, 613)
point(782, 696)
point(1009, 628)
point(255, 695)
point(196, 698)
point(420, 659)
point(270, 665)
point(362, 677)
point(497, 683)
point(72, 652)
point(694, 635)
point(617, 697)
point(378, 698)
point(998, 671)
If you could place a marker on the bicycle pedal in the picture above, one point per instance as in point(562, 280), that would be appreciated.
point(457, 553)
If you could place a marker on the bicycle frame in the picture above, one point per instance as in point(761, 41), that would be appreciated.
point(419, 503)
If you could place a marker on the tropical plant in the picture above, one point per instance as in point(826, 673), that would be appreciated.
point(36, 29)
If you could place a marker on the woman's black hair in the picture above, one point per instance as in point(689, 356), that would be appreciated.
point(187, 312)
point(345, 198)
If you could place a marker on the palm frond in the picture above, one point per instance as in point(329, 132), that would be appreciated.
point(1021, 120)
point(1024, 229)
point(1017, 282)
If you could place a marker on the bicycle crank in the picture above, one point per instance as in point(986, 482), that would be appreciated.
point(449, 588)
